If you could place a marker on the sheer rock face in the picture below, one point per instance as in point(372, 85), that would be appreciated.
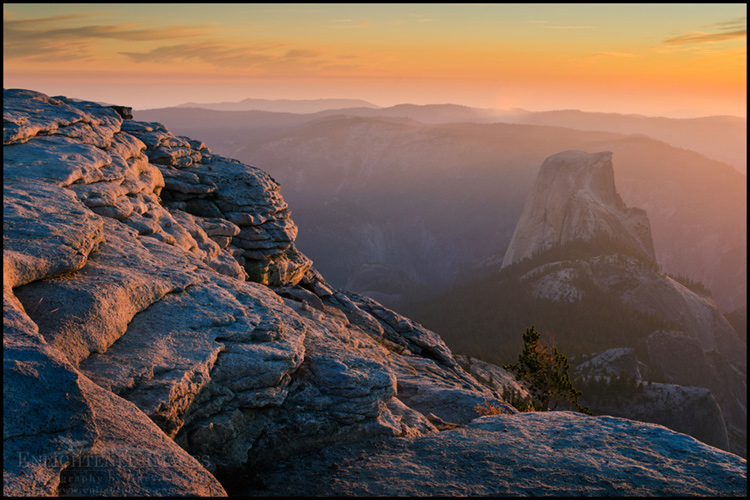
point(574, 198)
point(133, 338)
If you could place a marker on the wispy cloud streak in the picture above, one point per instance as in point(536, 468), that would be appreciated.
point(734, 24)
point(44, 39)
point(571, 27)
point(275, 57)
point(546, 24)
point(69, 38)
point(701, 37)
point(727, 30)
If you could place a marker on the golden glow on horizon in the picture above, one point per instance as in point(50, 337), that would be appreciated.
point(648, 58)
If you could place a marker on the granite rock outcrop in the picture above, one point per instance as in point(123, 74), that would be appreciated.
point(145, 275)
point(160, 328)
point(572, 454)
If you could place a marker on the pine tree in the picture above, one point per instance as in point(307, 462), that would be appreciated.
point(545, 370)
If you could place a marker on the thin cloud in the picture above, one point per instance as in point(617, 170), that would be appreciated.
point(261, 56)
point(733, 25)
point(287, 11)
point(44, 39)
point(411, 19)
point(546, 24)
point(421, 18)
point(701, 37)
point(727, 30)
point(213, 53)
point(571, 27)
point(67, 38)
point(301, 54)
point(339, 68)
point(9, 18)
point(349, 23)
point(27, 29)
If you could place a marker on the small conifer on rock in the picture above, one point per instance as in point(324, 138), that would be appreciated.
point(545, 371)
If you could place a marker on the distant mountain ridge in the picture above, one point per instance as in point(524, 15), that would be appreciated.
point(481, 173)
point(723, 138)
point(282, 105)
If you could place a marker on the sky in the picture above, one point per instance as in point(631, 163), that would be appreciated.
point(677, 60)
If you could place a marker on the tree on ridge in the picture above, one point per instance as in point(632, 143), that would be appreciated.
point(545, 371)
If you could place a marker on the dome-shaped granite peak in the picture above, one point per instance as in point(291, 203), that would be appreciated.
point(574, 198)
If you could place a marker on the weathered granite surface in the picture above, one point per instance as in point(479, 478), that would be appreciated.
point(160, 329)
point(526, 454)
point(126, 253)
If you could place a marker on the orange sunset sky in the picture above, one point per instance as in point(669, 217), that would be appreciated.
point(679, 60)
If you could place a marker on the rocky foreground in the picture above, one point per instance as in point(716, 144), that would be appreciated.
point(161, 330)
point(526, 454)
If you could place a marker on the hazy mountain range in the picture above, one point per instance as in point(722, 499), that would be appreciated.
point(281, 105)
point(723, 138)
point(395, 201)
